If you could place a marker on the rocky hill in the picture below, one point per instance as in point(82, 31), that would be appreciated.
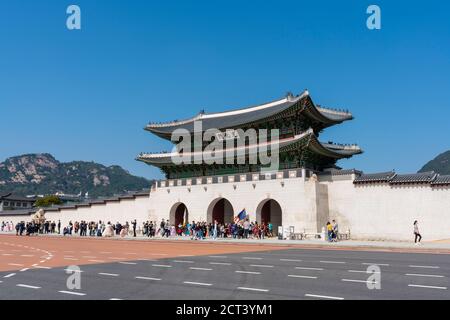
point(43, 174)
point(440, 164)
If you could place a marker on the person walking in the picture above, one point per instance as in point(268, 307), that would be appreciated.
point(134, 227)
point(417, 234)
point(215, 227)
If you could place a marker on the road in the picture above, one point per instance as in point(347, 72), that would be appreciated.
point(36, 268)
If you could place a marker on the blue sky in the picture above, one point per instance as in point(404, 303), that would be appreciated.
point(86, 95)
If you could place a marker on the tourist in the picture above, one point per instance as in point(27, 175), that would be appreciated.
point(329, 231)
point(214, 231)
point(335, 231)
point(134, 223)
point(417, 234)
point(59, 226)
point(246, 228)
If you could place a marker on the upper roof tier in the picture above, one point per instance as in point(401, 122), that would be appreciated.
point(260, 113)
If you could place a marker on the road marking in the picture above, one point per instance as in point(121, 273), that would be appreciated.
point(220, 257)
point(337, 262)
point(221, 263)
point(424, 275)
point(161, 265)
point(108, 274)
point(183, 261)
point(323, 297)
point(375, 264)
point(261, 266)
point(307, 268)
point(291, 260)
point(125, 262)
point(428, 267)
point(117, 258)
point(202, 269)
point(360, 281)
point(298, 276)
point(73, 293)
point(198, 283)
point(147, 278)
point(427, 287)
point(15, 264)
point(73, 259)
point(158, 254)
point(27, 286)
point(115, 299)
point(96, 261)
point(251, 258)
point(247, 272)
point(252, 289)
point(6, 254)
point(41, 267)
point(9, 275)
point(73, 270)
point(27, 255)
point(363, 271)
point(24, 269)
point(89, 257)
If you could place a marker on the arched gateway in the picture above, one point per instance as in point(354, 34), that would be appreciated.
point(221, 210)
point(178, 214)
point(269, 210)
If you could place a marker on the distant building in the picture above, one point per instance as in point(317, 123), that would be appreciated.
point(15, 202)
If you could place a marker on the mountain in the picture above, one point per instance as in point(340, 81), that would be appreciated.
point(43, 174)
point(440, 164)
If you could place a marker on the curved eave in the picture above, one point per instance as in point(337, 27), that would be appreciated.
point(241, 117)
point(307, 138)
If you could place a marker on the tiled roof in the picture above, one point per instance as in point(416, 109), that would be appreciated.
point(422, 177)
point(442, 180)
point(375, 177)
point(341, 172)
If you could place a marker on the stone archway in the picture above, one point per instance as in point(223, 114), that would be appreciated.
point(178, 214)
point(269, 210)
point(221, 210)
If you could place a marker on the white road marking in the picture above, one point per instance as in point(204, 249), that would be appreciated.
point(73, 293)
point(15, 264)
point(360, 281)
point(73, 270)
point(73, 259)
point(375, 264)
point(337, 262)
point(24, 269)
point(201, 269)
point(221, 263)
point(9, 275)
point(220, 257)
point(198, 283)
point(247, 272)
point(27, 255)
point(363, 271)
point(307, 268)
point(108, 274)
point(323, 297)
point(183, 261)
point(41, 267)
point(427, 287)
point(251, 258)
point(252, 289)
point(125, 262)
point(298, 276)
point(161, 265)
point(291, 260)
point(427, 267)
point(96, 261)
point(85, 252)
point(424, 275)
point(261, 266)
point(27, 286)
point(6, 254)
point(147, 278)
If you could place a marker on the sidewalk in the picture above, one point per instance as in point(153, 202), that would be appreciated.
point(438, 246)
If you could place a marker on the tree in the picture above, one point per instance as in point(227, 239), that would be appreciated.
point(48, 201)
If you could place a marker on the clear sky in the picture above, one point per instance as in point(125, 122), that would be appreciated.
point(87, 94)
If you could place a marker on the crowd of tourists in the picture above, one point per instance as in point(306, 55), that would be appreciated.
point(202, 230)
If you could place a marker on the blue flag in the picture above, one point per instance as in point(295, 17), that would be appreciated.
point(241, 216)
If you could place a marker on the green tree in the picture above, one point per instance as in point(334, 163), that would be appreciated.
point(47, 201)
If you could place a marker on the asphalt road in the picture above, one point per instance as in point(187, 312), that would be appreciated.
point(272, 274)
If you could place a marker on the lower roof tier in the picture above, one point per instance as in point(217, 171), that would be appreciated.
point(300, 150)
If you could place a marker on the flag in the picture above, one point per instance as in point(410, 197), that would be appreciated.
point(241, 216)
